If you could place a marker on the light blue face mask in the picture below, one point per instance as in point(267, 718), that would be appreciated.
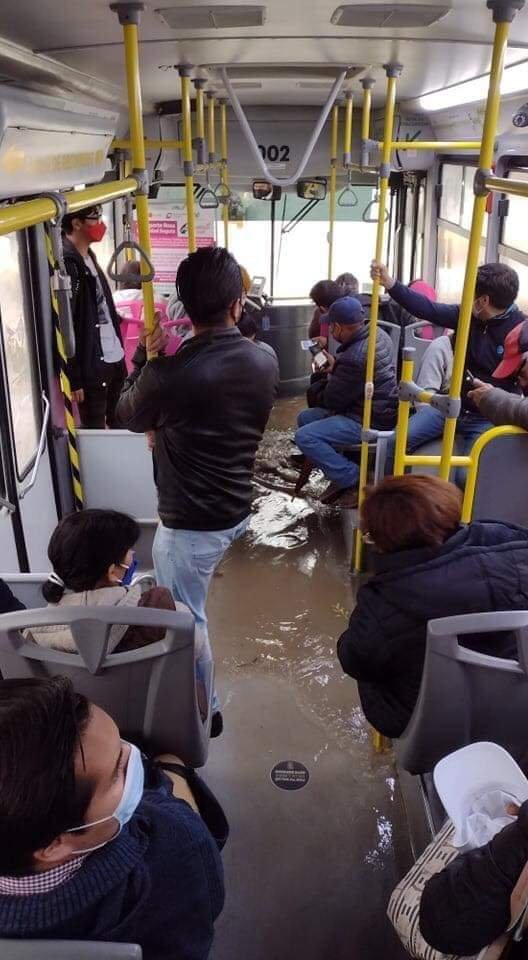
point(131, 797)
point(129, 571)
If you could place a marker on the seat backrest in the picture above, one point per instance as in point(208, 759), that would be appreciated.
point(394, 332)
point(467, 696)
point(150, 692)
point(503, 466)
point(412, 337)
point(68, 950)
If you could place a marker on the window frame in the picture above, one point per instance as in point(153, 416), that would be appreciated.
point(26, 284)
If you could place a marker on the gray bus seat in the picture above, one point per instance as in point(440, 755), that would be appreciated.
point(68, 950)
point(467, 696)
point(412, 338)
point(433, 448)
point(503, 467)
point(150, 692)
point(394, 332)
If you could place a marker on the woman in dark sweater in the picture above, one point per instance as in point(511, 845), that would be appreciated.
point(426, 566)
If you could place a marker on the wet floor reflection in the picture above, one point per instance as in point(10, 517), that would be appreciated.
point(281, 599)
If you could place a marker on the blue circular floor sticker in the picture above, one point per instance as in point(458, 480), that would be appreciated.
point(290, 775)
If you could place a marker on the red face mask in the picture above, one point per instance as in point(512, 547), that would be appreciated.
point(95, 231)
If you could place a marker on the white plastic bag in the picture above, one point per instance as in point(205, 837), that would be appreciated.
point(486, 818)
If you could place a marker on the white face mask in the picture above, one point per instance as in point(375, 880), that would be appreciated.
point(130, 799)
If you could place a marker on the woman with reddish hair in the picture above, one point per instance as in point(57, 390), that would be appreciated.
point(427, 565)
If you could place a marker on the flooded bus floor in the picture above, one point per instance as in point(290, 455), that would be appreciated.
point(309, 870)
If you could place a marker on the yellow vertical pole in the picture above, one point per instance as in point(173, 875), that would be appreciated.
point(199, 142)
point(188, 166)
point(333, 187)
point(404, 409)
point(347, 139)
point(503, 14)
point(224, 176)
point(367, 83)
point(129, 17)
point(211, 102)
point(392, 71)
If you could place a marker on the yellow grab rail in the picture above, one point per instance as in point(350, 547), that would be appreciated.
point(211, 102)
point(472, 473)
point(199, 142)
point(149, 144)
point(333, 187)
point(129, 16)
point(347, 137)
point(367, 83)
point(188, 166)
point(27, 213)
point(393, 71)
point(224, 176)
point(516, 188)
point(437, 145)
point(404, 409)
point(500, 42)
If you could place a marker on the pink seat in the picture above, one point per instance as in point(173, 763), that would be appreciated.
point(131, 314)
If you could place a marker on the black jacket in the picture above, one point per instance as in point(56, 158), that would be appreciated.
point(486, 337)
point(482, 567)
point(87, 367)
point(209, 405)
point(343, 390)
point(467, 905)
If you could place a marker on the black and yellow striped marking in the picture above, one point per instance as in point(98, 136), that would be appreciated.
point(65, 385)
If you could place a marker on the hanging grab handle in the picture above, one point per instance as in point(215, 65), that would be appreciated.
point(348, 197)
point(366, 213)
point(222, 192)
point(130, 245)
point(208, 200)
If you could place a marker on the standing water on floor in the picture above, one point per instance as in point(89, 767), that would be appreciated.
point(308, 870)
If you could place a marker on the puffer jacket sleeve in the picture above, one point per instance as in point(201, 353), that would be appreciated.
point(467, 905)
point(365, 651)
point(345, 386)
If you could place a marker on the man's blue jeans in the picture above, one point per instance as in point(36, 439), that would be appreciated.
point(428, 424)
point(319, 433)
point(184, 561)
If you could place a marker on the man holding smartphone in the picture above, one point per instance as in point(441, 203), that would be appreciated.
point(494, 315)
point(335, 417)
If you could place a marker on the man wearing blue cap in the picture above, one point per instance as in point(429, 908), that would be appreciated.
point(335, 417)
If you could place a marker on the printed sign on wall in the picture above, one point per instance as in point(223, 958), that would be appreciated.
point(169, 238)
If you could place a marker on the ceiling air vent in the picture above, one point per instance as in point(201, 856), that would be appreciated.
point(219, 16)
point(388, 15)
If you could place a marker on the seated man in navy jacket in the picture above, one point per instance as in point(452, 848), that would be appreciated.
point(336, 400)
point(94, 843)
point(494, 315)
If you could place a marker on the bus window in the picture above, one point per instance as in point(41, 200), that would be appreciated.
point(301, 254)
point(250, 235)
point(451, 257)
point(24, 394)
point(513, 248)
point(451, 201)
point(456, 206)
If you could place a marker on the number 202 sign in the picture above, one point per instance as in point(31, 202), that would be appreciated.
point(275, 153)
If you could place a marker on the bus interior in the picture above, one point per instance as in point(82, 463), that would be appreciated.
point(309, 139)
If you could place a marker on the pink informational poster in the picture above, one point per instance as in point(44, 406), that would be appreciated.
point(169, 239)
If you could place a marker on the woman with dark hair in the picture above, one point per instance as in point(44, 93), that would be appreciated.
point(93, 564)
point(427, 565)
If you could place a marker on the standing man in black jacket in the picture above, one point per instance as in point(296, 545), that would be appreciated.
point(494, 315)
point(97, 371)
point(209, 406)
point(336, 400)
